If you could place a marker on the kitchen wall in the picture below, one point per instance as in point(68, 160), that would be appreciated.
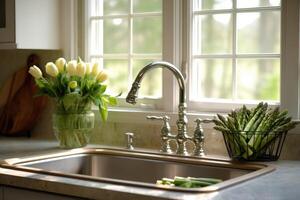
point(14, 59)
point(112, 133)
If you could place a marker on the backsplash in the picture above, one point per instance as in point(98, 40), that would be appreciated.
point(148, 136)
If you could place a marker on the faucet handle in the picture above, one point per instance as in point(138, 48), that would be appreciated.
point(165, 133)
point(163, 118)
point(199, 136)
point(205, 121)
point(166, 129)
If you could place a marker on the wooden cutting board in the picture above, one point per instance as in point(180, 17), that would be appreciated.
point(19, 109)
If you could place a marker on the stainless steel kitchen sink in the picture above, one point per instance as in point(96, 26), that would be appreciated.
point(138, 168)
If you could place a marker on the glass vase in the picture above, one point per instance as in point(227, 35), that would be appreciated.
point(73, 126)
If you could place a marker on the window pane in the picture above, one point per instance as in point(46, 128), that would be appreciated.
point(257, 3)
point(212, 4)
point(258, 32)
point(97, 37)
point(115, 7)
point(258, 79)
point(116, 35)
point(118, 75)
point(152, 82)
point(147, 34)
point(113, 35)
point(212, 34)
point(109, 7)
point(211, 78)
point(141, 6)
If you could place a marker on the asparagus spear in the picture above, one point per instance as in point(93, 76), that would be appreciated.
point(189, 182)
point(246, 115)
point(254, 133)
point(259, 110)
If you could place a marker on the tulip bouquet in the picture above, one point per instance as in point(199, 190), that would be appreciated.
point(75, 86)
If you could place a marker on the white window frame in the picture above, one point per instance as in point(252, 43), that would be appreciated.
point(168, 52)
point(222, 105)
point(175, 50)
point(290, 73)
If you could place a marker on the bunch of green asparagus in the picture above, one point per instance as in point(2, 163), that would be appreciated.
point(249, 132)
point(189, 182)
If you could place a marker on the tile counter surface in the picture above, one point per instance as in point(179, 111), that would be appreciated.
point(283, 183)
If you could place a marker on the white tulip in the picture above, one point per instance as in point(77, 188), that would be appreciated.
point(81, 69)
point(88, 68)
point(96, 69)
point(71, 67)
point(35, 72)
point(102, 76)
point(51, 69)
point(60, 63)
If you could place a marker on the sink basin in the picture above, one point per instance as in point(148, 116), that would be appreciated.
point(136, 168)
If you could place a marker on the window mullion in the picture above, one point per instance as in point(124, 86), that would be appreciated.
point(130, 50)
point(171, 51)
point(234, 49)
point(290, 73)
point(254, 55)
point(235, 9)
point(87, 31)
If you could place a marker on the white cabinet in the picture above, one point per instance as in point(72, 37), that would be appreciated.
point(30, 24)
point(10, 193)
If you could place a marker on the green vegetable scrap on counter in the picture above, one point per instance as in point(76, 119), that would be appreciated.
point(188, 182)
point(250, 131)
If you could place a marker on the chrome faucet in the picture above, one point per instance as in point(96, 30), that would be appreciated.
point(181, 137)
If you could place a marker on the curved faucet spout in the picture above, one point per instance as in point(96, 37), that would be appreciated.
point(132, 95)
point(182, 121)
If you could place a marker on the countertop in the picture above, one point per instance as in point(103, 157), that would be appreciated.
point(283, 183)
